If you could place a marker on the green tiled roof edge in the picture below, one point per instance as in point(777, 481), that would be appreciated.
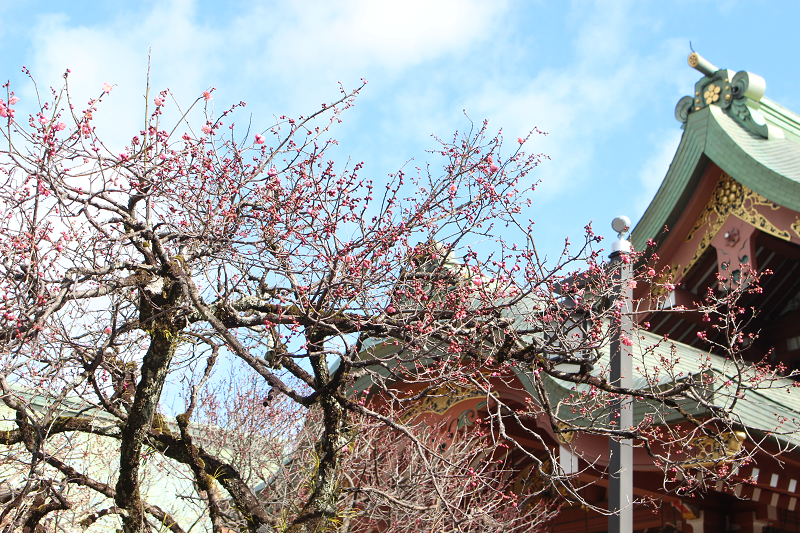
point(683, 164)
point(705, 135)
point(787, 119)
point(759, 411)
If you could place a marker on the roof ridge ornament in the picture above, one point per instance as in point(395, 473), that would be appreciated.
point(738, 95)
point(698, 62)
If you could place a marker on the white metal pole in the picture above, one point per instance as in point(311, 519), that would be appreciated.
point(620, 468)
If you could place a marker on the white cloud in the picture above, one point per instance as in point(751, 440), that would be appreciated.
point(598, 78)
point(580, 106)
point(291, 54)
point(352, 35)
point(117, 53)
point(603, 30)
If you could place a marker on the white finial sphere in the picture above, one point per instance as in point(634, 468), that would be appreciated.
point(621, 224)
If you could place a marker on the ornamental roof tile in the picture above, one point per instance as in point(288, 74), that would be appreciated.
point(769, 166)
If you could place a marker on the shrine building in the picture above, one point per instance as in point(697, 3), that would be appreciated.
point(729, 202)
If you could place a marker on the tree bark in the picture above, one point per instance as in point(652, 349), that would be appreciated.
point(158, 318)
point(321, 506)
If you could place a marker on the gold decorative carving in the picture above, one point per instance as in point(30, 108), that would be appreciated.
point(657, 288)
point(731, 198)
point(711, 450)
point(530, 479)
point(712, 93)
point(535, 480)
point(706, 240)
point(564, 437)
point(796, 226)
point(439, 401)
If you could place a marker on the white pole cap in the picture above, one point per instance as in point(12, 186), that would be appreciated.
point(621, 225)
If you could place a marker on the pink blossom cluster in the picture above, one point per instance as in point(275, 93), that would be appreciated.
point(6, 111)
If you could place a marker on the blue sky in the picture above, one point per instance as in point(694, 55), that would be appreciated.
point(601, 78)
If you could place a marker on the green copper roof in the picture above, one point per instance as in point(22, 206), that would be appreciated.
point(757, 142)
point(767, 407)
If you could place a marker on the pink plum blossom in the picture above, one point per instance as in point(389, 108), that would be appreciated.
point(520, 140)
point(158, 101)
point(207, 95)
point(60, 126)
point(260, 139)
point(206, 129)
point(107, 88)
point(13, 100)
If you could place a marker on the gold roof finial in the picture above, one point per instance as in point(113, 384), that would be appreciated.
point(698, 62)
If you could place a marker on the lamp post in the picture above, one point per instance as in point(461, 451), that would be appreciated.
point(620, 467)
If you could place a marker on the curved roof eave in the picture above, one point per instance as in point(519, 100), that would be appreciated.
point(771, 408)
point(770, 167)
